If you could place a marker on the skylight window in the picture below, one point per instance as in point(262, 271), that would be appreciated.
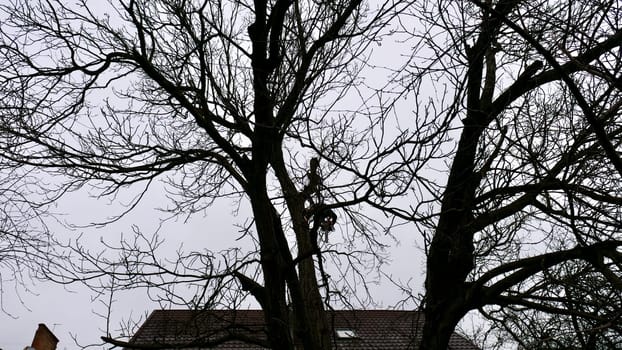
point(345, 333)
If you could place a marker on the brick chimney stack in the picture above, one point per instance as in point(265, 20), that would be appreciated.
point(44, 339)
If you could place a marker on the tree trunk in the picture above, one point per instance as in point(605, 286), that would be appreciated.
point(450, 258)
point(312, 299)
point(311, 327)
point(275, 307)
point(440, 322)
point(449, 263)
point(306, 325)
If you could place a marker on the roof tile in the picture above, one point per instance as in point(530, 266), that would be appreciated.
point(218, 329)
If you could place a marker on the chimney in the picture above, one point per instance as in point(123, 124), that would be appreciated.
point(44, 339)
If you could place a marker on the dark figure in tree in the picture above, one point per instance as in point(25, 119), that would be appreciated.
point(323, 217)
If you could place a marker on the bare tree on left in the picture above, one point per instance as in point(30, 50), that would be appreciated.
point(213, 99)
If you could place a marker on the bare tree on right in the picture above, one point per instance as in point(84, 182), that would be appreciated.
point(523, 99)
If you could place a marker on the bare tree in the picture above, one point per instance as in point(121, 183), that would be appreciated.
point(215, 99)
point(534, 109)
point(517, 104)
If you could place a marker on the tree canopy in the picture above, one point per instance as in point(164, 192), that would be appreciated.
point(490, 128)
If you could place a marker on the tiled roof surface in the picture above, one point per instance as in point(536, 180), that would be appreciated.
point(374, 329)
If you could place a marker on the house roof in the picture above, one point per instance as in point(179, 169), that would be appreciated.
point(219, 329)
